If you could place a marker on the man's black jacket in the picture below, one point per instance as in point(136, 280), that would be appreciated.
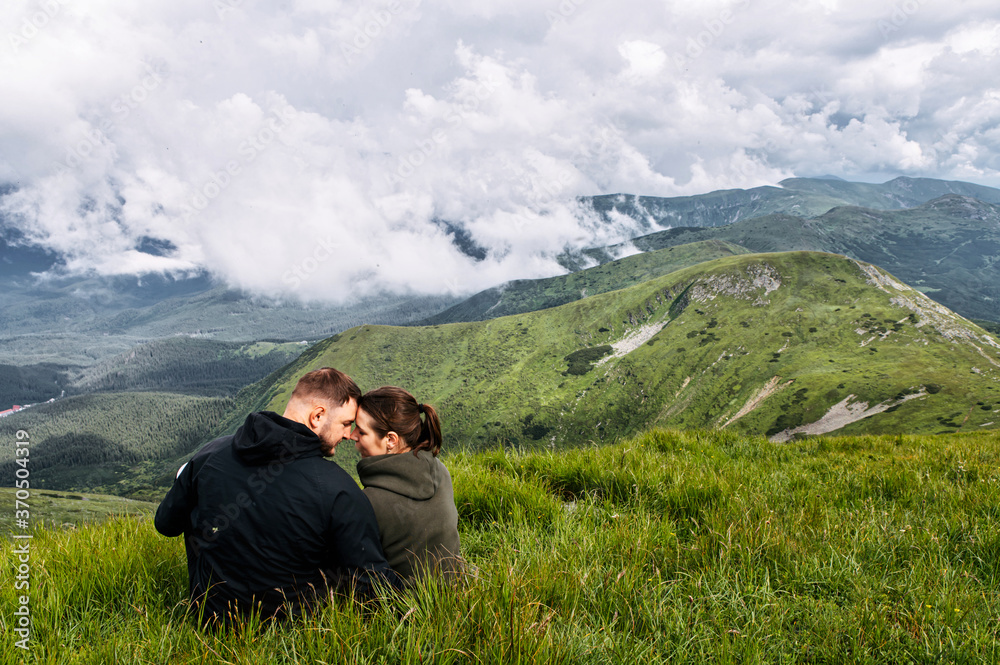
point(269, 524)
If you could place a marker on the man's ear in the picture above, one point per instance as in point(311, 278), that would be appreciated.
point(316, 415)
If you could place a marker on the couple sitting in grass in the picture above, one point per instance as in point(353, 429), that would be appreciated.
point(271, 528)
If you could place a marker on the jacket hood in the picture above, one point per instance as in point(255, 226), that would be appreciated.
point(413, 476)
point(265, 437)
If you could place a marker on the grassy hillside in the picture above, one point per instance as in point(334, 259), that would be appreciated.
point(530, 295)
point(110, 443)
point(948, 248)
point(672, 547)
point(777, 344)
point(57, 510)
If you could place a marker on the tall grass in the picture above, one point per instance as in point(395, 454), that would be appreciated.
point(671, 547)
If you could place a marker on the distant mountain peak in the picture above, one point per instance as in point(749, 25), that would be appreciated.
point(964, 207)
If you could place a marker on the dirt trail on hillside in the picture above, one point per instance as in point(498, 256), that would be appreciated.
point(632, 341)
point(843, 413)
point(766, 391)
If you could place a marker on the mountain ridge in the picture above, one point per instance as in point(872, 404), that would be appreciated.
point(690, 349)
point(78, 320)
point(803, 197)
point(949, 246)
point(520, 296)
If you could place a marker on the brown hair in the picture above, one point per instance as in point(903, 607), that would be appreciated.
point(393, 409)
point(329, 384)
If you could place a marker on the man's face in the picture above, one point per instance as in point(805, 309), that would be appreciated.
point(335, 425)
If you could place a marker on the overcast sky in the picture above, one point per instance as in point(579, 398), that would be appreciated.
point(305, 148)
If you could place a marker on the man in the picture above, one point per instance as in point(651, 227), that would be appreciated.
point(268, 524)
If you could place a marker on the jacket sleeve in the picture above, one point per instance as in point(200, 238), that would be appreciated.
point(358, 545)
point(173, 517)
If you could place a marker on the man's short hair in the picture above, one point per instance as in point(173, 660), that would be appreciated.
point(327, 384)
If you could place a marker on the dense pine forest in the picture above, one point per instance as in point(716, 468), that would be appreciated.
point(91, 441)
point(30, 384)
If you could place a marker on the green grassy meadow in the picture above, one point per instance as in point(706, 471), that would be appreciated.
point(680, 547)
point(59, 509)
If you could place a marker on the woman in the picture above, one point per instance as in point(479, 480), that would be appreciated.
point(409, 488)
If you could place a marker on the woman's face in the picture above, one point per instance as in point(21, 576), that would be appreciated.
point(366, 441)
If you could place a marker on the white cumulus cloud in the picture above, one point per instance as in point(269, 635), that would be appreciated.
point(327, 150)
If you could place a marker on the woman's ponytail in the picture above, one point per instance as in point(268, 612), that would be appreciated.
point(430, 433)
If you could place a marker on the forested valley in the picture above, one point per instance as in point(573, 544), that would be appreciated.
point(94, 441)
point(189, 366)
point(31, 383)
